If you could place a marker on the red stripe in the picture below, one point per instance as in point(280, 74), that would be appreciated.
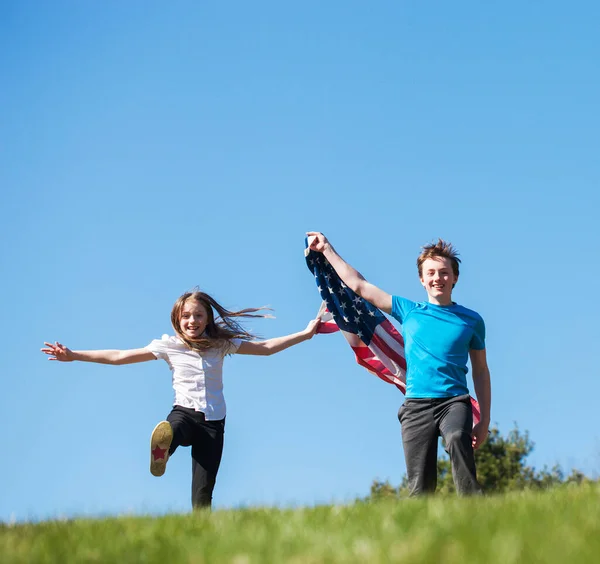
point(363, 352)
point(327, 327)
point(389, 351)
point(476, 411)
point(381, 375)
point(372, 370)
point(391, 330)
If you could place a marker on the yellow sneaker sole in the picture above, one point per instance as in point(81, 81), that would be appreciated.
point(160, 441)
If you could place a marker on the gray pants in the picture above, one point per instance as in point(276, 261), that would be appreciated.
point(423, 421)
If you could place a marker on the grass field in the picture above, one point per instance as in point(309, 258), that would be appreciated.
point(561, 526)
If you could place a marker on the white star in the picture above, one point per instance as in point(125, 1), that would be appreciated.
point(345, 319)
point(343, 285)
point(372, 313)
point(359, 333)
point(356, 300)
point(356, 319)
point(319, 288)
point(327, 277)
point(343, 305)
point(341, 291)
point(330, 289)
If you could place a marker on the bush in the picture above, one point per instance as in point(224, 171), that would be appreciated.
point(501, 467)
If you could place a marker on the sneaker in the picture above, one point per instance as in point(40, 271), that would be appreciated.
point(159, 448)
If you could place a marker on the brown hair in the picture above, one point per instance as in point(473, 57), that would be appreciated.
point(219, 330)
point(440, 249)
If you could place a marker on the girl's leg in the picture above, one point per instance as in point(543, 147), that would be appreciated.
point(207, 449)
point(160, 442)
point(183, 423)
point(177, 430)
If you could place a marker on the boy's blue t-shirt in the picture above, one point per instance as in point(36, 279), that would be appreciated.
point(437, 340)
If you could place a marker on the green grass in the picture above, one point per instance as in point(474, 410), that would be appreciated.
point(561, 526)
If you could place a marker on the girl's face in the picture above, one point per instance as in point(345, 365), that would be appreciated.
point(193, 319)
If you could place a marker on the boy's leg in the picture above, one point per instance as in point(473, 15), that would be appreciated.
point(419, 439)
point(455, 418)
point(207, 450)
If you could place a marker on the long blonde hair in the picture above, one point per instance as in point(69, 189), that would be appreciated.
point(220, 330)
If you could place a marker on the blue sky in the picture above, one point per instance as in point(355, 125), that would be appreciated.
point(148, 148)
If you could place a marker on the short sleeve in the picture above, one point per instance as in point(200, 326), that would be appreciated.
point(232, 346)
point(160, 347)
point(478, 340)
point(401, 307)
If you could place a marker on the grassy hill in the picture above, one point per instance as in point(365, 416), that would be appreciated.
point(561, 526)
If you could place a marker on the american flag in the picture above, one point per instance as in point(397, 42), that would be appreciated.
point(377, 344)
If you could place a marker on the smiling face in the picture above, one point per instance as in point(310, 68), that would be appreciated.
point(193, 319)
point(438, 279)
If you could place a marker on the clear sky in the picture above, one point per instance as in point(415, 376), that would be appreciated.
point(149, 147)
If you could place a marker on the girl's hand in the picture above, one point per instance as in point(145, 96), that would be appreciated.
point(317, 242)
point(57, 351)
point(312, 327)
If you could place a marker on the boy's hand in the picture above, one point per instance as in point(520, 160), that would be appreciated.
point(479, 434)
point(57, 351)
point(317, 241)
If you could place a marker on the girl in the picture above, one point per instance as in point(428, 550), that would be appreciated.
point(195, 356)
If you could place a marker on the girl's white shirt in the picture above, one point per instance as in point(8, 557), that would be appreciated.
point(197, 377)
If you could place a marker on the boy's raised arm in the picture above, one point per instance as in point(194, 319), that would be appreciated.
point(351, 277)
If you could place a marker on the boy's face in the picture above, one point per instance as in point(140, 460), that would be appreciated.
point(438, 280)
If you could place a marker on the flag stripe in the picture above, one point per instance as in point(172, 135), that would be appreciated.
point(396, 375)
point(388, 333)
point(389, 351)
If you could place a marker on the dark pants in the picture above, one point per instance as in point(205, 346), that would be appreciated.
point(190, 428)
point(423, 421)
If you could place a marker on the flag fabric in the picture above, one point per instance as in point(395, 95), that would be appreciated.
point(377, 344)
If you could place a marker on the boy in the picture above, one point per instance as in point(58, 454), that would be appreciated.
point(439, 336)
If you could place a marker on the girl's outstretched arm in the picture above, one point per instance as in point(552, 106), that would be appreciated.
point(277, 344)
point(59, 352)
